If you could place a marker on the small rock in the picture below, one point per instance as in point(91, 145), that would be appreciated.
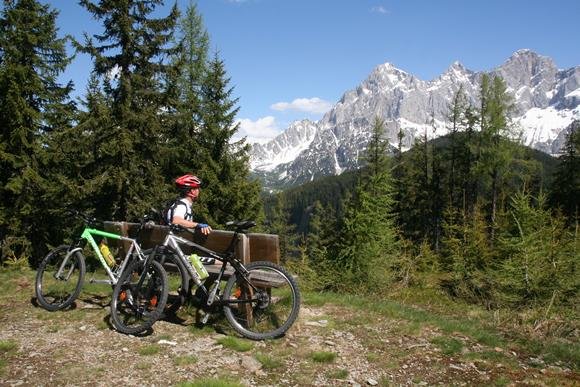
point(330, 343)
point(405, 366)
point(250, 363)
point(372, 382)
point(83, 328)
point(498, 349)
point(166, 342)
point(354, 383)
point(321, 323)
point(125, 349)
point(293, 345)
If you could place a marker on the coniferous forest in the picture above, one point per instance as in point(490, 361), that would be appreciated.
point(158, 104)
point(473, 214)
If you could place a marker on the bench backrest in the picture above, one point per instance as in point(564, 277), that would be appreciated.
point(249, 247)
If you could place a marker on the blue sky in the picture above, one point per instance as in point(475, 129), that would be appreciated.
point(293, 59)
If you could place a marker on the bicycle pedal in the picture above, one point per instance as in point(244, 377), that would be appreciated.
point(205, 318)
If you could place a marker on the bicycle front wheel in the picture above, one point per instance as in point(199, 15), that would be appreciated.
point(139, 297)
point(177, 278)
point(268, 308)
point(59, 278)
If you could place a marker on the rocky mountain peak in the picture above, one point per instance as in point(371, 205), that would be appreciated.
point(546, 101)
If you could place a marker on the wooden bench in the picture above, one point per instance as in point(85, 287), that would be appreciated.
point(248, 248)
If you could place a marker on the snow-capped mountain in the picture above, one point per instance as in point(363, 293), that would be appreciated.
point(546, 101)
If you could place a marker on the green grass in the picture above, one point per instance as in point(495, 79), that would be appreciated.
point(203, 331)
point(3, 364)
point(448, 345)
point(235, 343)
point(452, 317)
point(149, 350)
point(8, 346)
point(185, 360)
point(338, 374)
point(210, 382)
point(268, 362)
point(323, 356)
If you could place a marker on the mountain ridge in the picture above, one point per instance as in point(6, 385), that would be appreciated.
point(546, 101)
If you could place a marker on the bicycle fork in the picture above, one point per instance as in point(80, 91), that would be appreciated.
point(58, 274)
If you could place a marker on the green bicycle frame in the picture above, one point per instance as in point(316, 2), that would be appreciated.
point(88, 235)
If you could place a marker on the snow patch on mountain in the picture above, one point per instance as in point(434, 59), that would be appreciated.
point(546, 101)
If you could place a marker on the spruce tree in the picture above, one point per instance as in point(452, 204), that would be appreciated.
point(540, 256)
point(565, 189)
point(132, 56)
point(79, 154)
point(181, 153)
point(466, 246)
point(457, 111)
point(33, 106)
point(230, 194)
point(368, 245)
point(496, 149)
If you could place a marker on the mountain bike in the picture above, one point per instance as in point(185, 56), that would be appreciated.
point(60, 277)
point(260, 300)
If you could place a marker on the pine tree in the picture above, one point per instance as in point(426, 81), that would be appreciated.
point(415, 186)
point(456, 121)
point(279, 225)
point(496, 149)
point(191, 61)
point(368, 237)
point(540, 264)
point(33, 106)
point(230, 193)
point(565, 189)
point(131, 56)
point(77, 151)
point(465, 244)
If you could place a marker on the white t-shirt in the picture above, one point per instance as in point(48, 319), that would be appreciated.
point(182, 209)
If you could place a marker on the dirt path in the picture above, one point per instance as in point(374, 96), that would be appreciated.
point(329, 345)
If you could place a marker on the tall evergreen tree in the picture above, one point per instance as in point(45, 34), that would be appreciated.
point(415, 207)
point(230, 193)
point(565, 189)
point(541, 256)
point(133, 54)
point(456, 117)
point(496, 148)
point(191, 61)
point(368, 237)
point(33, 105)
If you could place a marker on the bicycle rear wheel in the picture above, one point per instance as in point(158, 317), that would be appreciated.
point(59, 278)
point(135, 307)
point(269, 311)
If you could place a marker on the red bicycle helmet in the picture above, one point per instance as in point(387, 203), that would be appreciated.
point(188, 181)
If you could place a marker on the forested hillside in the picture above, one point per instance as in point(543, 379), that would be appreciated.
point(158, 104)
point(474, 213)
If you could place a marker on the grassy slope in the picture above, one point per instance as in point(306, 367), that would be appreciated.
point(422, 336)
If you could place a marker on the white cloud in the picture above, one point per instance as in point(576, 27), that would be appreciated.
point(309, 105)
point(262, 130)
point(379, 9)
